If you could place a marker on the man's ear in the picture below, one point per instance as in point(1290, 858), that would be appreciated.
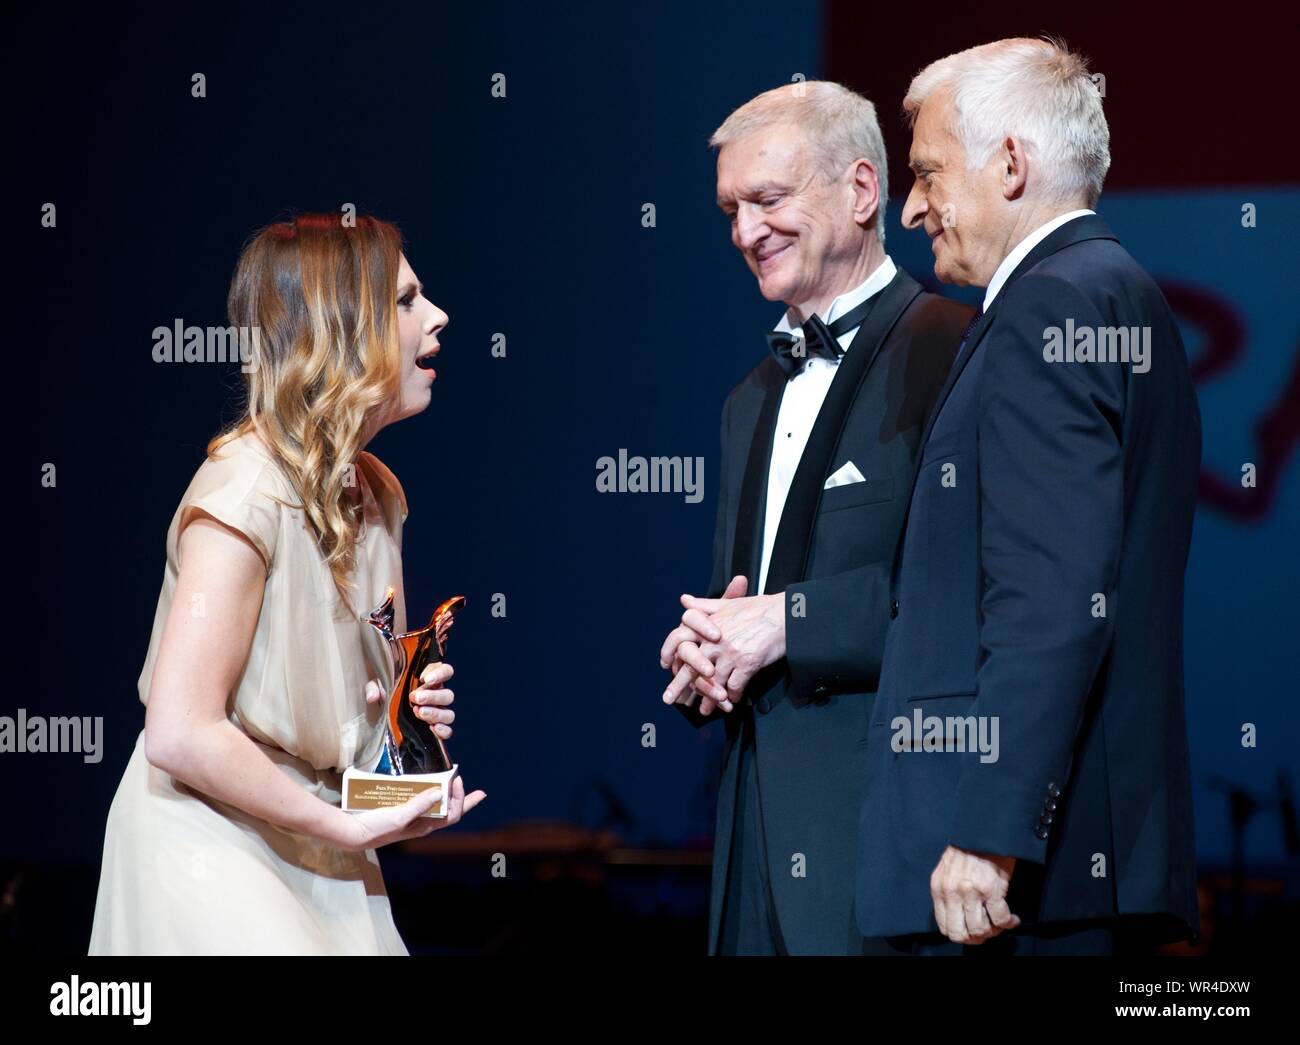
point(866, 191)
point(1015, 168)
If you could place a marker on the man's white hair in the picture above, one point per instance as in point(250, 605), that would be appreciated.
point(840, 124)
point(1034, 90)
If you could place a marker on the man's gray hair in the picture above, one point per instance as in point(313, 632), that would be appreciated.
point(840, 124)
point(1034, 90)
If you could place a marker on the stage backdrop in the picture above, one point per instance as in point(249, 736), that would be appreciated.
point(551, 173)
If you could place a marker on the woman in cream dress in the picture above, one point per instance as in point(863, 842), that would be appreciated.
point(225, 835)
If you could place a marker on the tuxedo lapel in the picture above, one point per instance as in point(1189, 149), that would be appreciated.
point(959, 364)
point(794, 535)
point(746, 554)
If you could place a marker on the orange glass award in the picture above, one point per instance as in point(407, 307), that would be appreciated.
point(414, 756)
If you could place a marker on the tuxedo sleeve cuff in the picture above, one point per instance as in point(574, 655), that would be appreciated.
point(835, 632)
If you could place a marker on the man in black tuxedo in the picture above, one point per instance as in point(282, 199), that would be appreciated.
point(1028, 790)
point(818, 446)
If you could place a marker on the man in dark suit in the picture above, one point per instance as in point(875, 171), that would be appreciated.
point(1029, 789)
point(818, 446)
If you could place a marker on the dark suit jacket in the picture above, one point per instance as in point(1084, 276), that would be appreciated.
point(835, 548)
point(1070, 481)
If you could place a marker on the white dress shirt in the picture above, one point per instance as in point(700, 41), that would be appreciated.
point(800, 404)
point(1022, 249)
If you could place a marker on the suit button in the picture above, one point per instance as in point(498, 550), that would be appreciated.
point(1050, 805)
point(1041, 833)
point(1045, 819)
point(1053, 790)
point(893, 609)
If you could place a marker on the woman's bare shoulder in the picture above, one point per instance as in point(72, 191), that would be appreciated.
point(383, 481)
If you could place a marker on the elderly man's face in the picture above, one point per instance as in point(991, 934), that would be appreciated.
point(797, 232)
point(962, 211)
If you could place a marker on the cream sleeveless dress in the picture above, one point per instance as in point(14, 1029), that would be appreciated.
point(184, 873)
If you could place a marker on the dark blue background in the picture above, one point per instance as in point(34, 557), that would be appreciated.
point(522, 216)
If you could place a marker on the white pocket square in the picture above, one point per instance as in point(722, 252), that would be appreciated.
point(844, 475)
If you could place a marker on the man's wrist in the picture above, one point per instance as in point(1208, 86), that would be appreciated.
point(779, 605)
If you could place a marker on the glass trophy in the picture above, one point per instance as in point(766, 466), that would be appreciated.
point(413, 757)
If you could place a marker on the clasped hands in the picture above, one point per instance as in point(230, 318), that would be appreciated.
point(723, 643)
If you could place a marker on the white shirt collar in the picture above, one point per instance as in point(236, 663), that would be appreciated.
point(851, 299)
point(1022, 249)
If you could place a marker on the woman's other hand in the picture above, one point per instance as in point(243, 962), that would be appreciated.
point(432, 701)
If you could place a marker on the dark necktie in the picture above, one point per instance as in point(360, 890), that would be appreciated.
point(965, 337)
point(818, 338)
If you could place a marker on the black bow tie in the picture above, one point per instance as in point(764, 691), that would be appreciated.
point(818, 338)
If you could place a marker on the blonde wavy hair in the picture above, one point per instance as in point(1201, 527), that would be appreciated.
point(323, 297)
